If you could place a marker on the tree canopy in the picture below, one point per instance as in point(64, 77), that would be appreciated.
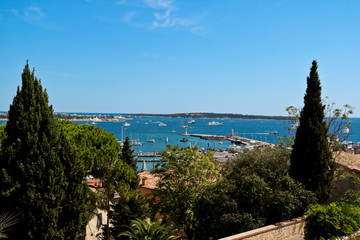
point(94, 146)
point(39, 175)
point(183, 174)
point(312, 162)
point(255, 190)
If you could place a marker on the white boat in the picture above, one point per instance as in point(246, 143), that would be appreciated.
point(345, 130)
point(213, 123)
point(192, 121)
point(162, 124)
point(151, 140)
point(136, 142)
point(127, 124)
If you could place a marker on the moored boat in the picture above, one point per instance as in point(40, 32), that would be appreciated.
point(214, 123)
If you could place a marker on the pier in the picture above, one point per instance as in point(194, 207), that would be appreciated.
point(232, 138)
point(148, 154)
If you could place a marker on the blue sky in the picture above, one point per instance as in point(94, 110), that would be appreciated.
point(169, 56)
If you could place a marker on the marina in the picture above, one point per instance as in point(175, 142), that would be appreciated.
point(234, 135)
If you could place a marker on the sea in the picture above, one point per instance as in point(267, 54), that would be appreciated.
point(144, 128)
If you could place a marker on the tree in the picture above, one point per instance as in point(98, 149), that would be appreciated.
point(255, 190)
point(94, 146)
point(128, 157)
point(99, 151)
point(129, 206)
point(183, 174)
point(312, 162)
point(147, 230)
point(39, 176)
point(2, 133)
point(337, 120)
point(127, 154)
point(6, 221)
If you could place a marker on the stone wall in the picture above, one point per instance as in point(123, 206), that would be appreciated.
point(293, 229)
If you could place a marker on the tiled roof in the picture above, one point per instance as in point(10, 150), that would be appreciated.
point(150, 179)
point(348, 160)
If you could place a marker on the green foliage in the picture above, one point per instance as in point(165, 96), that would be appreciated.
point(337, 120)
point(2, 133)
point(255, 190)
point(183, 175)
point(116, 177)
point(312, 162)
point(147, 230)
point(127, 154)
point(129, 206)
point(99, 151)
point(94, 146)
point(335, 220)
point(39, 175)
point(6, 221)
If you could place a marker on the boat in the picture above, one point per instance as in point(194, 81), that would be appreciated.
point(274, 132)
point(192, 121)
point(151, 140)
point(136, 142)
point(237, 141)
point(127, 124)
point(173, 131)
point(183, 140)
point(162, 124)
point(213, 123)
point(345, 130)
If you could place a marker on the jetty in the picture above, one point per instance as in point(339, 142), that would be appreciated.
point(232, 138)
point(148, 154)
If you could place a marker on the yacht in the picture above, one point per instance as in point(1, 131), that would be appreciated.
point(192, 121)
point(136, 142)
point(162, 124)
point(183, 140)
point(213, 123)
point(274, 133)
point(151, 140)
point(127, 124)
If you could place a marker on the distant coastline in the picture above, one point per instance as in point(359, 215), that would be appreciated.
point(103, 117)
point(212, 115)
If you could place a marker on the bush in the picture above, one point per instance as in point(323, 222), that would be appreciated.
point(335, 220)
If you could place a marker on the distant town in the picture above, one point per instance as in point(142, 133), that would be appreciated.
point(127, 116)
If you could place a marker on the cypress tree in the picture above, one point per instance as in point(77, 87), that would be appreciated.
point(127, 154)
point(312, 162)
point(39, 177)
point(131, 204)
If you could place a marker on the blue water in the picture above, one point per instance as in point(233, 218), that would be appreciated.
point(254, 129)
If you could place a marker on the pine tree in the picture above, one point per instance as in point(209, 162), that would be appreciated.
point(128, 157)
point(127, 154)
point(311, 159)
point(39, 177)
point(131, 204)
